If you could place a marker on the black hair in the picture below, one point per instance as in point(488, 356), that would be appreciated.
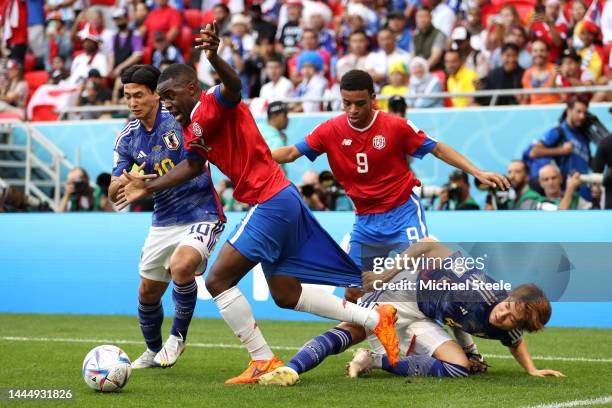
point(356, 32)
point(179, 72)
point(276, 58)
point(459, 175)
point(453, 51)
point(397, 104)
point(223, 6)
point(577, 99)
point(141, 74)
point(357, 80)
point(509, 46)
point(525, 165)
point(424, 8)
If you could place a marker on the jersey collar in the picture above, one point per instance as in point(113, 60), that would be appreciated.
point(365, 128)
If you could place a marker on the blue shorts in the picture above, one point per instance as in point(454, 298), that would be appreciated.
point(376, 235)
point(283, 235)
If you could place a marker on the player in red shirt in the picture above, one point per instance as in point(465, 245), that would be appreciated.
point(367, 151)
point(278, 231)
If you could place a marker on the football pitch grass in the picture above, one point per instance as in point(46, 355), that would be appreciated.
point(47, 351)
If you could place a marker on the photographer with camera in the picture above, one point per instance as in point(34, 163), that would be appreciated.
point(78, 194)
point(550, 180)
point(520, 196)
point(456, 195)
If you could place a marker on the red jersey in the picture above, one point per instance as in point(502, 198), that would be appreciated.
point(541, 31)
point(225, 133)
point(371, 163)
point(162, 19)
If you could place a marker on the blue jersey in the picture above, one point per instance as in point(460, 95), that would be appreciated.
point(162, 148)
point(467, 309)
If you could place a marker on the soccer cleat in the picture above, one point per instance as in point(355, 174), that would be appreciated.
point(256, 369)
point(361, 363)
point(146, 360)
point(284, 376)
point(171, 351)
point(385, 331)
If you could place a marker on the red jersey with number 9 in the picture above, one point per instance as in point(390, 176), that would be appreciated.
point(225, 133)
point(371, 163)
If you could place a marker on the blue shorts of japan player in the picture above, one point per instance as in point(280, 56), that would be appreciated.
point(187, 220)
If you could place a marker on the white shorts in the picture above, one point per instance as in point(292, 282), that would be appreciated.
point(163, 241)
point(417, 333)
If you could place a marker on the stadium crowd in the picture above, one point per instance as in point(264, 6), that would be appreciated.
point(301, 48)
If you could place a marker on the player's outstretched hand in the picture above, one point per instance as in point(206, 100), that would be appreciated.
point(135, 172)
point(493, 180)
point(209, 40)
point(133, 190)
point(546, 372)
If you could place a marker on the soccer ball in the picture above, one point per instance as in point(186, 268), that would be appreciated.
point(106, 368)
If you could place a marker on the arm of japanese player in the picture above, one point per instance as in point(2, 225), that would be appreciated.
point(121, 161)
point(311, 146)
point(522, 356)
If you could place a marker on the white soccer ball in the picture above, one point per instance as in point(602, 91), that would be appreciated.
point(106, 368)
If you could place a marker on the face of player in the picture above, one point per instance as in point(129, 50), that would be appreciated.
point(142, 102)
point(358, 107)
point(517, 175)
point(506, 315)
point(550, 180)
point(179, 98)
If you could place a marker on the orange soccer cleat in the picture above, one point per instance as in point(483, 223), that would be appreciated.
point(255, 369)
point(385, 331)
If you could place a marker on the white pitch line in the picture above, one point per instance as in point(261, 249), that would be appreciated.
point(289, 348)
point(575, 403)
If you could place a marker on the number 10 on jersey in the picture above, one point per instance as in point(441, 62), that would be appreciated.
point(164, 167)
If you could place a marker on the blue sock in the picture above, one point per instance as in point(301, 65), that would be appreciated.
point(313, 353)
point(151, 318)
point(184, 296)
point(425, 366)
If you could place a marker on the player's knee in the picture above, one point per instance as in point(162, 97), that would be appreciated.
point(183, 270)
point(352, 294)
point(216, 286)
point(286, 300)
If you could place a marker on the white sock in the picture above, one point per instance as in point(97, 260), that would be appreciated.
point(377, 360)
point(236, 311)
point(324, 304)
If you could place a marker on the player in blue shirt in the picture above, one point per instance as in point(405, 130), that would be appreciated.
point(430, 350)
point(187, 219)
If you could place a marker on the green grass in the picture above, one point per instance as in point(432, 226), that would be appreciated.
point(197, 379)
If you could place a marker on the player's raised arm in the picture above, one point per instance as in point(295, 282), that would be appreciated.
point(286, 154)
point(521, 354)
point(230, 82)
point(450, 156)
point(121, 181)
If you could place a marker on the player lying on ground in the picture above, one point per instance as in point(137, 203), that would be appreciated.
point(491, 314)
point(278, 231)
point(187, 220)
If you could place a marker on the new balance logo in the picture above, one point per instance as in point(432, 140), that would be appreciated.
point(347, 142)
point(141, 155)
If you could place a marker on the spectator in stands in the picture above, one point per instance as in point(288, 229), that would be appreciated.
point(473, 23)
point(107, 34)
point(475, 60)
point(273, 132)
point(606, 22)
point(127, 44)
point(579, 9)
point(57, 43)
point(357, 54)
point(571, 73)
point(508, 76)
point(62, 9)
point(308, 43)
point(13, 90)
point(164, 51)
point(290, 33)
point(312, 193)
point(442, 16)
point(517, 35)
point(428, 41)
point(101, 200)
point(313, 83)
point(278, 86)
point(459, 78)
point(141, 11)
point(164, 19)
point(541, 75)
point(90, 59)
point(222, 16)
point(78, 194)
point(524, 197)
point(398, 83)
point(317, 18)
point(255, 64)
point(94, 93)
point(422, 82)
point(262, 27)
point(396, 22)
point(589, 52)
point(356, 20)
point(456, 195)
point(378, 62)
point(550, 27)
point(568, 143)
point(550, 180)
point(225, 189)
point(36, 29)
point(14, 28)
point(58, 71)
point(398, 106)
point(500, 25)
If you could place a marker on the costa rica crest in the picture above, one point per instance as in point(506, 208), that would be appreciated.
point(379, 142)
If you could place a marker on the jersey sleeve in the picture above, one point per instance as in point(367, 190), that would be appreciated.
point(312, 145)
point(122, 160)
point(512, 338)
point(416, 142)
point(551, 138)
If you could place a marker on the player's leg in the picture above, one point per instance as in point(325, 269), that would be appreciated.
point(333, 341)
point(150, 317)
point(229, 267)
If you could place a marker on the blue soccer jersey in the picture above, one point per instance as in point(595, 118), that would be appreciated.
point(468, 309)
point(162, 148)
